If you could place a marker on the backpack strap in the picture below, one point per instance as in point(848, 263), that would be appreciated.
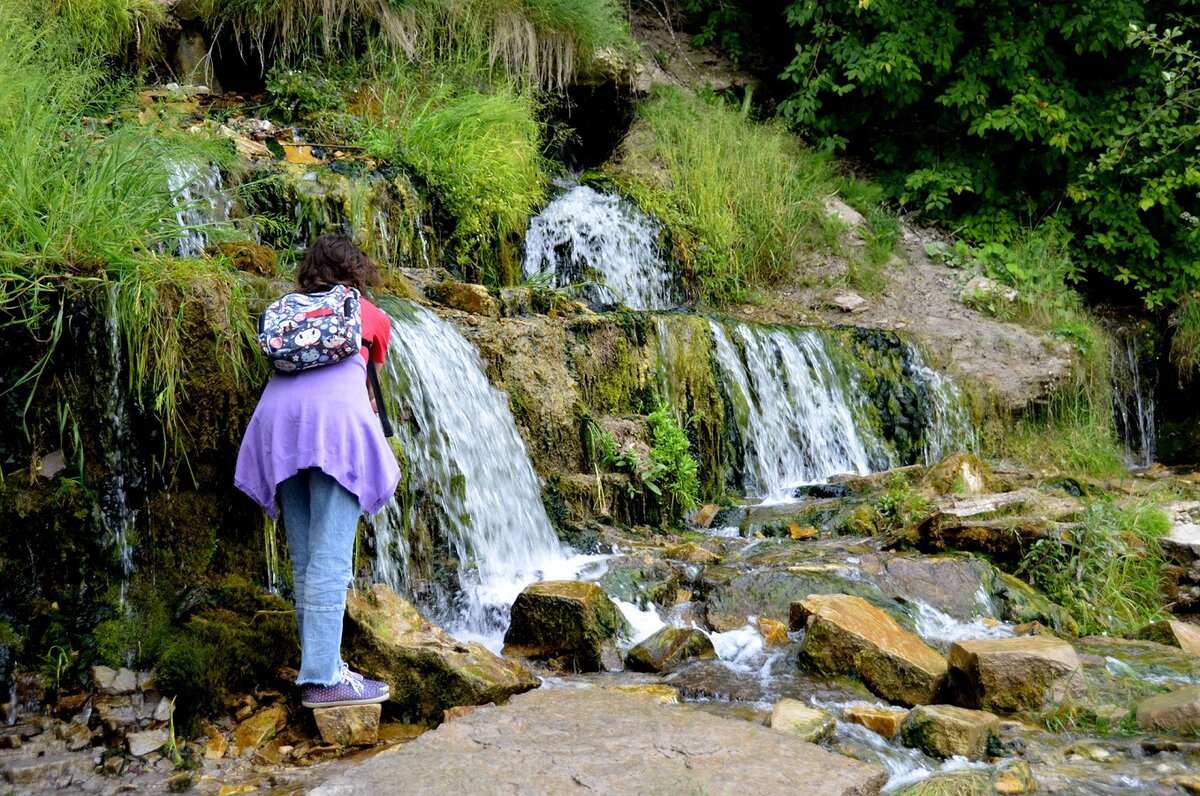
point(373, 379)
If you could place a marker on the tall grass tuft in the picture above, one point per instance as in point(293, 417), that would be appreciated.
point(124, 30)
point(1185, 338)
point(481, 153)
point(533, 40)
point(741, 199)
point(1108, 570)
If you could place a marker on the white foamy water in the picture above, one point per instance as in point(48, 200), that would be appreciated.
point(465, 457)
point(794, 416)
point(949, 427)
point(201, 202)
point(602, 244)
point(743, 646)
point(643, 622)
point(936, 626)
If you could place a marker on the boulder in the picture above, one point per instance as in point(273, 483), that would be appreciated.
point(806, 723)
point(1011, 674)
point(570, 620)
point(349, 725)
point(426, 669)
point(1178, 711)
point(848, 635)
point(670, 648)
point(774, 634)
point(258, 729)
point(953, 584)
point(945, 731)
point(881, 721)
point(465, 296)
point(1173, 633)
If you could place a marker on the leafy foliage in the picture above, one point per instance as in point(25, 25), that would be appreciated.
point(996, 116)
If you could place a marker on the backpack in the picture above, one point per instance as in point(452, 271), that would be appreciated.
point(306, 330)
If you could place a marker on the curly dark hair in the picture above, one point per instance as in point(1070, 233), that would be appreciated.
point(335, 260)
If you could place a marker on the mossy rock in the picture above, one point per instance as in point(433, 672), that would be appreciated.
point(960, 474)
point(572, 621)
point(427, 670)
point(247, 256)
point(946, 731)
point(670, 648)
point(1021, 603)
point(464, 296)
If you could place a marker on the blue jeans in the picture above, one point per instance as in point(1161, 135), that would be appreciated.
point(321, 519)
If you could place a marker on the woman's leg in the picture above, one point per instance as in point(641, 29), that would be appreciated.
point(332, 524)
point(293, 504)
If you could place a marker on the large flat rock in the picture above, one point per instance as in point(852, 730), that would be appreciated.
point(587, 740)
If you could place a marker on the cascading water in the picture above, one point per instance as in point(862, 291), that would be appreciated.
point(201, 202)
point(804, 414)
point(1134, 387)
point(116, 512)
point(603, 242)
point(793, 411)
point(464, 454)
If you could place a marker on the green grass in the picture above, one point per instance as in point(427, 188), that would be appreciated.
point(480, 152)
point(1107, 570)
point(741, 200)
point(123, 30)
point(1185, 338)
point(881, 236)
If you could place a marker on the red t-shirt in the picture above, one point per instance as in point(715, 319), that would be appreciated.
point(376, 329)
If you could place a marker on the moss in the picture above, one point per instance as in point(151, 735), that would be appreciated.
point(253, 258)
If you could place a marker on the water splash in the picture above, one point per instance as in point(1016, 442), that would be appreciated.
point(603, 244)
point(201, 202)
point(942, 629)
point(793, 411)
point(949, 427)
point(465, 458)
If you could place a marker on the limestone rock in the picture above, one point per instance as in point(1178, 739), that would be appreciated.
point(571, 740)
point(705, 515)
point(349, 725)
point(41, 772)
point(806, 723)
point(848, 635)
point(670, 648)
point(1012, 674)
point(881, 721)
point(1173, 633)
point(960, 474)
point(1178, 711)
point(691, 553)
point(572, 620)
point(259, 728)
point(950, 583)
point(774, 633)
point(846, 301)
point(426, 669)
point(141, 744)
point(946, 730)
point(982, 291)
point(465, 296)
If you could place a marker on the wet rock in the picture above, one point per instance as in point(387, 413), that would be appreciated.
point(472, 298)
point(1173, 633)
point(881, 721)
point(953, 584)
point(259, 729)
point(77, 736)
point(1011, 674)
point(568, 740)
point(670, 648)
point(49, 771)
point(1178, 711)
point(691, 553)
point(806, 723)
point(945, 731)
point(217, 744)
point(848, 635)
point(665, 694)
point(705, 514)
point(426, 669)
point(141, 744)
point(571, 620)
point(775, 634)
point(349, 725)
point(1004, 540)
point(1024, 605)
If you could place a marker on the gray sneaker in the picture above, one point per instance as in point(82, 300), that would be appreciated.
point(351, 689)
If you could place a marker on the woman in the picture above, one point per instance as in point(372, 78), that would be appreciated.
point(315, 442)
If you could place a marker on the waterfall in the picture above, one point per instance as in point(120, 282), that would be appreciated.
point(793, 410)
point(200, 200)
point(603, 242)
point(464, 455)
point(1134, 386)
point(804, 411)
point(117, 516)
